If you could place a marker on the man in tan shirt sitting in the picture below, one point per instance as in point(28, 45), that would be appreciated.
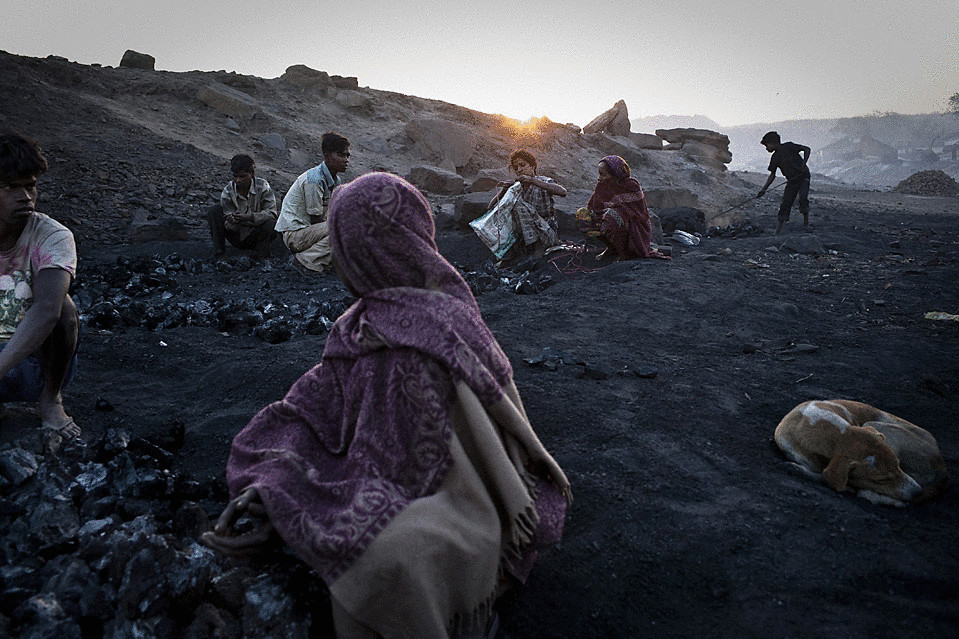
point(246, 213)
point(302, 220)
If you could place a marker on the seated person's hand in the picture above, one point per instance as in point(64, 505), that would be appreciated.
point(241, 218)
point(556, 475)
point(224, 536)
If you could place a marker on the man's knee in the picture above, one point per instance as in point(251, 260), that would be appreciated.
point(303, 239)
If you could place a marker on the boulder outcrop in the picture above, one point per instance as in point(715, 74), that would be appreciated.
point(700, 145)
point(646, 141)
point(615, 121)
point(684, 218)
point(470, 206)
point(300, 75)
point(229, 101)
point(134, 60)
point(670, 198)
point(436, 180)
point(487, 179)
point(619, 145)
point(442, 140)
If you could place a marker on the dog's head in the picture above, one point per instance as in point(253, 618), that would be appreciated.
point(865, 462)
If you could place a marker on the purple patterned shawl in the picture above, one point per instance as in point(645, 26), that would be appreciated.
point(366, 431)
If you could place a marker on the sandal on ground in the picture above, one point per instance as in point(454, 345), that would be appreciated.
point(67, 429)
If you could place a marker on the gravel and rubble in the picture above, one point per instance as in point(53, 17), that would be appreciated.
point(928, 183)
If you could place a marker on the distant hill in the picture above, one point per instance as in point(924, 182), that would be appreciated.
point(650, 123)
point(840, 145)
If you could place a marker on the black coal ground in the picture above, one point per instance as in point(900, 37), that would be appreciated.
point(657, 386)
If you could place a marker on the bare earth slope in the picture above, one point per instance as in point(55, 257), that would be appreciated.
point(659, 395)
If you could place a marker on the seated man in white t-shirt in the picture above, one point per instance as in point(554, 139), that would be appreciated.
point(38, 320)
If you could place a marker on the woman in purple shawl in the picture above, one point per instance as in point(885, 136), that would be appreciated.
point(402, 468)
point(618, 205)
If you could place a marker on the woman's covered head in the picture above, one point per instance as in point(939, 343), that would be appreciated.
point(615, 166)
point(382, 236)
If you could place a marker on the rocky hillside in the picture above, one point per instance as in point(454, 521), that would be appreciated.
point(137, 153)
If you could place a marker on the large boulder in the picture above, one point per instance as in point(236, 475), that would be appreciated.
point(681, 135)
point(684, 218)
point(615, 121)
point(487, 179)
point(657, 225)
point(470, 206)
point(145, 227)
point(436, 180)
point(443, 140)
point(646, 141)
point(274, 141)
point(621, 146)
point(341, 82)
point(300, 75)
point(133, 60)
point(693, 148)
point(670, 198)
point(703, 146)
point(353, 100)
point(707, 154)
point(229, 101)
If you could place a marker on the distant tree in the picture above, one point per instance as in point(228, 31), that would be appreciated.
point(953, 105)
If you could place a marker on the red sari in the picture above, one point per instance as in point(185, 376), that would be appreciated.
point(625, 222)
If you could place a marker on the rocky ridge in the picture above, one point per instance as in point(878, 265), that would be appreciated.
point(189, 124)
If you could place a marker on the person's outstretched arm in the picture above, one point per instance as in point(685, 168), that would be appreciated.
point(769, 180)
point(550, 187)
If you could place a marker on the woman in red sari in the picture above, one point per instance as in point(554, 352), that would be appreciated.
point(619, 205)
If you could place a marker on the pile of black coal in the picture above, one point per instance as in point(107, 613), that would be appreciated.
point(528, 277)
point(155, 294)
point(160, 293)
point(100, 540)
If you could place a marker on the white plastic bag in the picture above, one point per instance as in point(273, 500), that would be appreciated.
point(684, 238)
point(495, 227)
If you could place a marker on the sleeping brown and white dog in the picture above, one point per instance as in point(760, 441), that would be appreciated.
point(848, 444)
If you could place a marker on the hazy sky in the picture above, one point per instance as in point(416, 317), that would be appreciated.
point(735, 61)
